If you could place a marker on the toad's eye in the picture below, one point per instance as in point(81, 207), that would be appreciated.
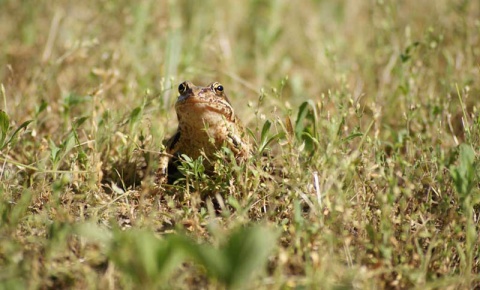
point(218, 88)
point(182, 88)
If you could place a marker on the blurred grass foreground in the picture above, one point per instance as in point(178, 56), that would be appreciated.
point(365, 116)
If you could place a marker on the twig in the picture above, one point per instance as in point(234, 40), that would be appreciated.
point(316, 185)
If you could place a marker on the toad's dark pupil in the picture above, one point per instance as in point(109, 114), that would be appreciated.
point(182, 88)
point(220, 88)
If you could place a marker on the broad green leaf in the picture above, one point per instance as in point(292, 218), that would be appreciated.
point(4, 126)
point(352, 136)
point(135, 116)
point(79, 122)
point(93, 232)
point(247, 252)
point(54, 150)
point(147, 259)
point(463, 175)
point(244, 254)
point(22, 126)
point(302, 113)
point(265, 129)
point(15, 212)
point(265, 140)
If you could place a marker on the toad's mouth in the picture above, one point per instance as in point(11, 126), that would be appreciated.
point(192, 100)
point(202, 107)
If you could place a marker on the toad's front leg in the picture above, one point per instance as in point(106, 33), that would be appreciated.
point(171, 149)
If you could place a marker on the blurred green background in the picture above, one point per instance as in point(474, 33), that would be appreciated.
point(387, 52)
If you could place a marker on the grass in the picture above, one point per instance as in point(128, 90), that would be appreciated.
point(367, 112)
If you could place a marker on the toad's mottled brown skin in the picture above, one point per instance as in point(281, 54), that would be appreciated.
point(206, 122)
